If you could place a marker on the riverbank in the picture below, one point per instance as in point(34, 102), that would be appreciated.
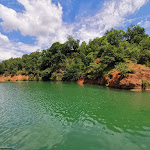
point(20, 77)
point(137, 79)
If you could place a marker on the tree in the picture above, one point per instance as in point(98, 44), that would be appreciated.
point(73, 70)
point(82, 51)
point(32, 62)
point(70, 46)
point(114, 37)
point(69, 60)
point(2, 68)
point(145, 57)
point(135, 34)
point(145, 44)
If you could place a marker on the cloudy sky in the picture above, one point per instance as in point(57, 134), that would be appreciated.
point(28, 25)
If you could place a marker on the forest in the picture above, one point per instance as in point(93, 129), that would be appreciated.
point(71, 60)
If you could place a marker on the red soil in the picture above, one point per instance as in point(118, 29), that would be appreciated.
point(14, 78)
point(132, 80)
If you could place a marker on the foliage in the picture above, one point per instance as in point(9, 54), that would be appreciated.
point(114, 37)
point(71, 60)
point(145, 57)
point(123, 67)
point(2, 68)
point(73, 70)
point(145, 84)
point(135, 34)
point(24, 79)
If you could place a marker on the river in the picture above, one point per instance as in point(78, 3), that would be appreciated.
point(67, 116)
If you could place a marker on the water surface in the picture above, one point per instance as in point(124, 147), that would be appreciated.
point(67, 116)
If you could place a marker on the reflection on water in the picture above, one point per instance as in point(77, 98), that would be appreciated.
point(64, 116)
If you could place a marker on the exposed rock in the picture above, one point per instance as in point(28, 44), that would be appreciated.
point(139, 78)
point(15, 78)
point(81, 81)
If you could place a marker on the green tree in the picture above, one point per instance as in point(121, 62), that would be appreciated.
point(114, 37)
point(145, 57)
point(73, 70)
point(145, 44)
point(135, 34)
point(70, 46)
point(2, 68)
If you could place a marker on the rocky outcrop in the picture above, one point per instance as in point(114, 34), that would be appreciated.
point(16, 78)
point(81, 81)
point(138, 79)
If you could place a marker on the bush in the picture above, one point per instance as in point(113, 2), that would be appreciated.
point(24, 79)
point(46, 74)
point(2, 68)
point(39, 79)
point(73, 70)
point(145, 58)
point(145, 84)
point(123, 67)
point(54, 76)
point(31, 77)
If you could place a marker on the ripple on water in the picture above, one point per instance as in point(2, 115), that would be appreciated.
point(64, 116)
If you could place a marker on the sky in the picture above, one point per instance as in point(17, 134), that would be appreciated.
point(30, 25)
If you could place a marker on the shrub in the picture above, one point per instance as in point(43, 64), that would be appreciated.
point(145, 58)
point(123, 67)
point(54, 76)
point(24, 79)
point(145, 84)
point(31, 77)
point(46, 74)
point(73, 70)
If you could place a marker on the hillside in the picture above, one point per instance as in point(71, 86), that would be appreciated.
point(119, 59)
point(137, 79)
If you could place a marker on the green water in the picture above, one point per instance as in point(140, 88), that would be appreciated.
point(66, 116)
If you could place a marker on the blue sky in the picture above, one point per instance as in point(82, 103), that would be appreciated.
point(28, 25)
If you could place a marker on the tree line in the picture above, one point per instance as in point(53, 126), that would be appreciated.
point(71, 60)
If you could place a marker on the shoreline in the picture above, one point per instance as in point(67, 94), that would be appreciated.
point(138, 79)
point(134, 90)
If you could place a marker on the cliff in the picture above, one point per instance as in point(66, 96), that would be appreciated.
point(138, 79)
point(17, 78)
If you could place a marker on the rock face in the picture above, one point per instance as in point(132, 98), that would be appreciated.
point(15, 78)
point(138, 79)
point(81, 81)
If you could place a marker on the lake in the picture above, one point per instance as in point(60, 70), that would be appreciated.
point(67, 116)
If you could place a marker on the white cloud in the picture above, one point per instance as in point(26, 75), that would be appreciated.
point(43, 20)
point(145, 23)
point(112, 15)
point(39, 18)
point(6, 51)
point(3, 39)
point(9, 49)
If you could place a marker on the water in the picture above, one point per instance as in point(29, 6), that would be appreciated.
point(67, 116)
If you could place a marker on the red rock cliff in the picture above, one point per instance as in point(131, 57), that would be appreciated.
point(138, 79)
point(15, 78)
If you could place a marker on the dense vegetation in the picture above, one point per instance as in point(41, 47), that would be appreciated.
point(71, 60)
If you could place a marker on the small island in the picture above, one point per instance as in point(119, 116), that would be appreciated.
point(119, 59)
